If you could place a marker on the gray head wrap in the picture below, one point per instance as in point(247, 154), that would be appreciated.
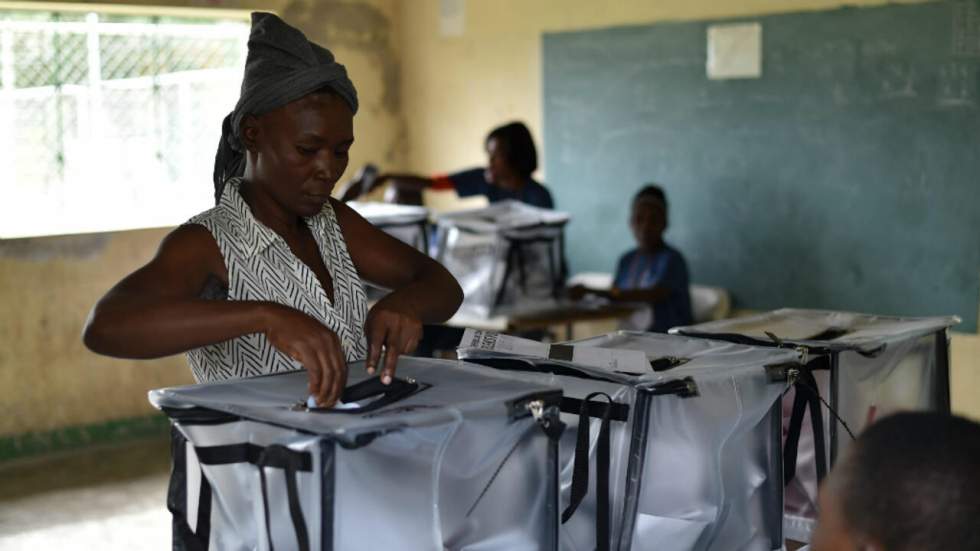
point(282, 66)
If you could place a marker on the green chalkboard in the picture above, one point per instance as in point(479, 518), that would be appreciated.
point(846, 177)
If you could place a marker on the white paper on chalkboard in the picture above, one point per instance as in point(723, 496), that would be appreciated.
point(735, 51)
point(452, 17)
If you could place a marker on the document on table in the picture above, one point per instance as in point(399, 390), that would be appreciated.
point(610, 359)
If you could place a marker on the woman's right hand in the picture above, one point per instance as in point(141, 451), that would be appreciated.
point(310, 343)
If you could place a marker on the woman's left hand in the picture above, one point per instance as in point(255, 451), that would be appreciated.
point(393, 325)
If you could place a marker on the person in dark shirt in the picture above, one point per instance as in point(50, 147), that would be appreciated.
point(511, 160)
point(654, 272)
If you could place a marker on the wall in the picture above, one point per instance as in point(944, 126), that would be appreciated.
point(964, 360)
point(48, 380)
point(457, 88)
point(47, 377)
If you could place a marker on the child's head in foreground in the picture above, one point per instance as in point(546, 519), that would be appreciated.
point(910, 482)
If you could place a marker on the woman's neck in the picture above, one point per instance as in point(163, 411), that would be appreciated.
point(265, 209)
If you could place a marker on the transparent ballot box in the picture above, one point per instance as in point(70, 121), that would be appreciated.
point(409, 224)
point(446, 457)
point(862, 366)
point(671, 443)
point(507, 257)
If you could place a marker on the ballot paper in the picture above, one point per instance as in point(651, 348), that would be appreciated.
point(611, 359)
point(311, 403)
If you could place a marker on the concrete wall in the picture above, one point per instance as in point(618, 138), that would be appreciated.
point(48, 380)
point(965, 374)
point(456, 88)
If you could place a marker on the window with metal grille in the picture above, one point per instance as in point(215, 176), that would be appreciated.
point(110, 122)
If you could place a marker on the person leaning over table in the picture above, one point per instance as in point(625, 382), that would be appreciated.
point(272, 275)
point(511, 161)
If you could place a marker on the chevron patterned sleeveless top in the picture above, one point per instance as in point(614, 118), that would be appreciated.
point(262, 267)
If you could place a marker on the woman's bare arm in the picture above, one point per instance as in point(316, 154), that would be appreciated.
point(156, 311)
point(423, 291)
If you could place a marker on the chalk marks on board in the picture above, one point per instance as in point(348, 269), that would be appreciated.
point(836, 64)
point(898, 79)
point(957, 84)
point(952, 83)
point(966, 28)
point(958, 80)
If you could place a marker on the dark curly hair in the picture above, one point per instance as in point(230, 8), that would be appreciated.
point(910, 483)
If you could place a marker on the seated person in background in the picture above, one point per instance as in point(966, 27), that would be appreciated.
point(511, 160)
point(910, 482)
point(653, 272)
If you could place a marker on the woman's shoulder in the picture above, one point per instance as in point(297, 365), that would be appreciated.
point(340, 221)
point(335, 209)
point(199, 235)
point(192, 235)
point(210, 217)
point(191, 247)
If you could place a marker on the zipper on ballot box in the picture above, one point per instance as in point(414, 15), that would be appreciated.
point(542, 407)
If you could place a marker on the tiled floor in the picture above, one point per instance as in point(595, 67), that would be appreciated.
point(111, 498)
